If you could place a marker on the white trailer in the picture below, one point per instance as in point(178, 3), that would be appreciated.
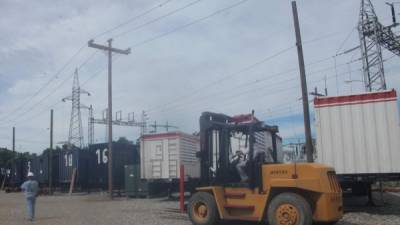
point(359, 135)
point(162, 154)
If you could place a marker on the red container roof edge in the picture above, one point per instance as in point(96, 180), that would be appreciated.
point(244, 118)
point(363, 98)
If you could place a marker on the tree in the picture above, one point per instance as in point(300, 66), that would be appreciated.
point(124, 140)
point(6, 156)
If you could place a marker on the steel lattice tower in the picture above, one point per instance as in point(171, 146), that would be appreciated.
point(371, 50)
point(75, 137)
point(373, 36)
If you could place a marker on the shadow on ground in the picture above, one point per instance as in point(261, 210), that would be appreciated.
point(389, 205)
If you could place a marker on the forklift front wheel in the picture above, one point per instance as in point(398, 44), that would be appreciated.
point(289, 209)
point(202, 209)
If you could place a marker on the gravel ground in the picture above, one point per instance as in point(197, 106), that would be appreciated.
point(97, 210)
point(357, 211)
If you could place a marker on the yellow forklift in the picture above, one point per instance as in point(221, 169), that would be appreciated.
point(283, 194)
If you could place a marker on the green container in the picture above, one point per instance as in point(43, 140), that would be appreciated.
point(134, 186)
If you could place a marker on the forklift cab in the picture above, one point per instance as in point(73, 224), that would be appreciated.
point(224, 139)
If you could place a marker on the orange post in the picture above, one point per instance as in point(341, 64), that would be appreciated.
point(182, 188)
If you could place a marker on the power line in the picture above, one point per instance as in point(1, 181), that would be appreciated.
point(287, 88)
point(114, 28)
point(158, 18)
point(15, 116)
point(58, 102)
point(247, 68)
point(330, 35)
point(294, 69)
point(258, 81)
point(99, 71)
point(268, 78)
point(175, 11)
point(280, 114)
point(345, 40)
point(189, 24)
point(53, 106)
point(270, 91)
point(132, 19)
point(76, 54)
point(192, 23)
point(45, 85)
point(207, 17)
point(219, 11)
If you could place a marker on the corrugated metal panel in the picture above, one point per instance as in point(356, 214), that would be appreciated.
point(359, 133)
point(123, 154)
point(162, 154)
point(73, 158)
point(41, 168)
point(189, 146)
point(19, 171)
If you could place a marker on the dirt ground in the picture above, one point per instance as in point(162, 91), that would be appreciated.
point(95, 209)
point(90, 209)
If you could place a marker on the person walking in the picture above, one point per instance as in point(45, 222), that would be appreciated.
point(31, 189)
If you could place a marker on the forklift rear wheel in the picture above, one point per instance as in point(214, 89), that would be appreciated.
point(289, 209)
point(202, 209)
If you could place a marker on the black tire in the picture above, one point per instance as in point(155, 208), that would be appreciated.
point(203, 199)
point(359, 189)
point(289, 209)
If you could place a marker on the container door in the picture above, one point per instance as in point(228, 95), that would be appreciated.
point(156, 159)
point(129, 181)
point(172, 159)
point(173, 169)
point(132, 179)
point(156, 169)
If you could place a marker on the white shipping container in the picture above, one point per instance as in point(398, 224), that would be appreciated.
point(359, 134)
point(162, 154)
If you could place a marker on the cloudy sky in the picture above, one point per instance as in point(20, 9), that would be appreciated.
point(188, 56)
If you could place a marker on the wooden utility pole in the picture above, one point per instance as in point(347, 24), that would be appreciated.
point(72, 184)
point(306, 111)
point(13, 140)
point(110, 50)
point(51, 154)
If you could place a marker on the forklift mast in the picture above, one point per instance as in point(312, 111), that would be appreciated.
point(215, 145)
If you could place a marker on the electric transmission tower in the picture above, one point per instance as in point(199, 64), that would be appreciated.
point(373, 37)
point(75, 137)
